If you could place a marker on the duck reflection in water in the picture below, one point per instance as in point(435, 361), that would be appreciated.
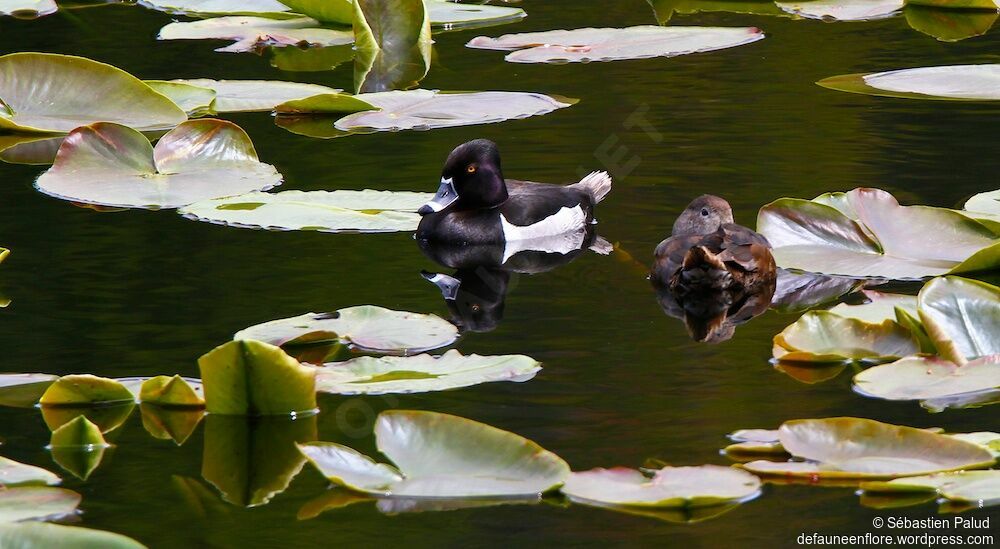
point(476, 291)
point(711, 272)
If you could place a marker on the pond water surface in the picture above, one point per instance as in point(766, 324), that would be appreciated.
point(145, 293)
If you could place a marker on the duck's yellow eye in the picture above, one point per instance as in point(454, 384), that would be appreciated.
point(471, 168)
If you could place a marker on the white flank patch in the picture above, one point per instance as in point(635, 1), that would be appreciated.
point(561, 232)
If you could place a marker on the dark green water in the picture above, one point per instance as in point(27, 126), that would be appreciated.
point(143, 293)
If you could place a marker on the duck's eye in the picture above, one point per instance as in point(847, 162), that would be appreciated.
point(475, 307)
point(704, 212)
point(471, 168)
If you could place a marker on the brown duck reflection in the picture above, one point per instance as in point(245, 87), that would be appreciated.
point(712, 273)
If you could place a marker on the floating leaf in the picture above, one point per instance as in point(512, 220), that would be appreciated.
point(311, 59)
point(962, 317)
point(254, 95)
point(949, 25)
point(249, 377)
point(855, 448)
point(448, 15)
point(823, 336)
point(664, 10)
point(195, 100)
point(171, 392)
point(440, 455)
point(393, 40)
point(252, 33)
point(988, 202)
point(327, 11)
point(958, 4)
point(669, 487)
point(879, 307)
point(802, 291)
point(34, 502)
point(39, 534)
point(421, 373)
point(366, 327)
point(326, 211)
point(113, 165)
point(45, 92)
point(920, 377)
point(979, 487)
point(24, 9)
point(949, 82)
point(986, 439)
point(14, 473)
point(175, 424)
point(886, 239)
point(609, 44)
point(843, 10)
point(23, 390)
point(213, 8)
point(85, 389)
point(754, 442)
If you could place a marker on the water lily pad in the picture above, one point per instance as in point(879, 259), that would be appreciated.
point(78, 447)
point(669, 487)
point(195, 100)
point(326, 211)
point(39, 534)
point(44, 92)
point(440, 455)
point(24, 9)
point(754, 442)
point(823, 336)
point(249, 377)
point(171, 423)
point(803, 291)
point(85, 389)
point(213, 8)
point(23, 390)
point(988, 202)
point(879, 307)
point(843, 10)
point(107, 417)
point(170, 391)
point(923, 377)
point(393, 40)
point(34, 502)
point(949, 25)
point(885, 240)
point(112, 165)
point(856, 448)
point(611, 44)
point(253, 33)
point(15, 473)
point(962, 317)
point(421, 373)
point(958, 4)
point(328, 11)
point(980, 487)
point(254, 95)
point(314, 59)
point(949, 82)
point(986, 439)
point(443, 14)
point(366, 327)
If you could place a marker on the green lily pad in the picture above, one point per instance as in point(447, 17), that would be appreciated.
point(25, 9)
point(610, 44)
point(170, 391)
point(443, 14)
point(23, 390)
point(253, 33)
point(328, 11)
point(843, 10)
point(958, 4)
point(879, 307)
point(979, 487)
point(34, 502)
point(949, 25)
point(962, 317)
point(45, 92)
point(254, 95)
point(855, 448)
point(112, 165)
point(195, 100)
point(922, 377)
point(253, 378)
point(986, 439)
point(700, 486)
point(365, 327)
point(823, 336)
point(421, 373)
point(171, 423)
point(14, 473)
point(314, 59)
point(37, 534)
point(393, 40)
point(85, 389)
point(750, 442)
point(948, 83)
point(78, 447)
point(325, 211)
point(440, 455)
point(214, 8)
point(988, 202)
point(885, 240)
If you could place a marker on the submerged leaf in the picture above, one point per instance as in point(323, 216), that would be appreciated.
point(85, 389)
point(254, 95)
point(440, 455)
point(919, 378)
point(45, 92)
point(112, 165)
point(14, 473)
point(366, 327)
point(416, 374)
point(610, 44)
point(326, 211)
point(962, 317)
point(251, 33)
point(949, 82)
point(670, 487)
point(823, 336)
point(249, 377)
point(34, 502)
point(40, 534)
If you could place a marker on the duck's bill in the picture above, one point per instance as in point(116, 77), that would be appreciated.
point(445, 196)
point(447, 284)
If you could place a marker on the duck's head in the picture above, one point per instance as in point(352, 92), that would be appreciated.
point(471, 179)
point(704, 215)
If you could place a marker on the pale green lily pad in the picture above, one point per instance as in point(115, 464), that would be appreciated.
point(979, 487)
point(112, 165)
point(195, 100)
point(921, 378)
point(393, 40)
point(440, 455)
point(45, 92)
point(24, 9)
point(24, 390)
point(949, 25)
point(856, 448)
point(254, 95)
point(328, 11)
point(885, 240)
point(83, 390)
point(252, 33)
point(962, 317)
point(421, 373)
point(879, 307)
point(316, 59)
point(39, 534)
point(14, 473)
point(325, 211)
point(823, 336)
point(843, 10)
point(988, 202)
point(366, 327)
point(986, 439)
point(213, 8)
point(754, 442)
point(34, 502)
point(669, 487)
point(612, 44)
point(958, 4)
point(170, 391)
point(948, 83)
point(249, 377)
point(443, 14)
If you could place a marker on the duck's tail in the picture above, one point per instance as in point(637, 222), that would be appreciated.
point(703, 270)
point(598, 184)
